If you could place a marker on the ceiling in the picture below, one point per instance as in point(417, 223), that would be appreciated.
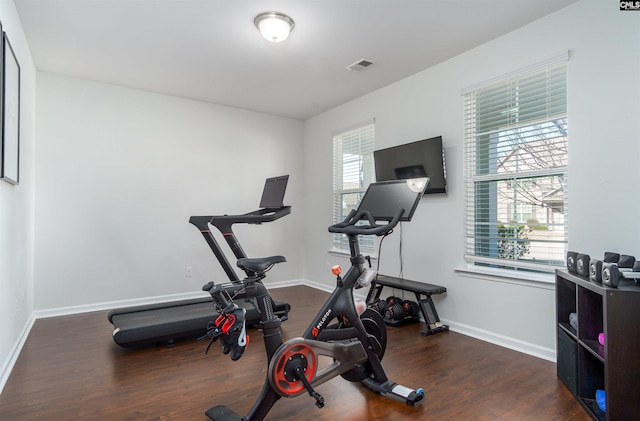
point(209, 50)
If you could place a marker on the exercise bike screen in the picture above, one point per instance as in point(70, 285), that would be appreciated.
point(273, 193)
point(384, 199)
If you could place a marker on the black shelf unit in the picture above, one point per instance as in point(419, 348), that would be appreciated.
point(583, 364)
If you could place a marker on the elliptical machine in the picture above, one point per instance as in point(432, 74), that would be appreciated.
point(355, 342)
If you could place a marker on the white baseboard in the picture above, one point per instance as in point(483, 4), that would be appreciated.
point(110, 305)
point(548, 354)
point(283, 284)
point(8, 364)
point(87, 308)
point(484, 335)
point(317, 285)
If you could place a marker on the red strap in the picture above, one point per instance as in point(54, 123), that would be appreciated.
point(231, 319)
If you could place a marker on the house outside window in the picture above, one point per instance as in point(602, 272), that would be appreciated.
point(516, 170)
point(353, 171)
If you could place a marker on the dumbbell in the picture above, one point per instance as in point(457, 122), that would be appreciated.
point(411, 308)
point(610, 257)
point(635, 272)
point(394, 310)
point(595, 265)
point(626, 267)
point(625, 263)
point(379, 305)
point(610, 274)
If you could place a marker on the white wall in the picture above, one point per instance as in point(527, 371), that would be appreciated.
point(16, 208)
point(604, 142)
point(120, 172)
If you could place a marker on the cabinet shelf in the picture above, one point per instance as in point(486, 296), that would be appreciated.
point(569, 329)
point(594, 409)
point(595, 348)
point(582, 362)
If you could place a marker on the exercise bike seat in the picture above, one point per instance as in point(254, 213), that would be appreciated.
point(260, 264)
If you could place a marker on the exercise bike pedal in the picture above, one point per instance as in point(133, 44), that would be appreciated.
point(300, 375)
point(222, 413)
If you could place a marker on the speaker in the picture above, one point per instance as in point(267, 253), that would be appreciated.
point(610, 257)
point(595, 270)
point(582, 264)
point(572, 258)
point(610, 274)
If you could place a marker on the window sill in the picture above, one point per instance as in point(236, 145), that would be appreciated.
point(533, 280)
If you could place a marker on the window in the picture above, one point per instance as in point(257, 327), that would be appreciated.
point(353, 170)
point(516, 170)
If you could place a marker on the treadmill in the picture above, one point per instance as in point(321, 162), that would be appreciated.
point(167, 322)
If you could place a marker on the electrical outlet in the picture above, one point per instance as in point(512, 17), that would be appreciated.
point(188, 272)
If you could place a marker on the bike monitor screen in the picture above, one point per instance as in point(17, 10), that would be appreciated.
point(273, 193)
point(384, 199)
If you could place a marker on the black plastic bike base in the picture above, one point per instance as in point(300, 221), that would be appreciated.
point(222, 413)
point(390, 389)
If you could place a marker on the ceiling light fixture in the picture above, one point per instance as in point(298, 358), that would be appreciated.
point(274, 26)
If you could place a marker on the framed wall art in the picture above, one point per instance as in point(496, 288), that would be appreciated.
point(10, 159)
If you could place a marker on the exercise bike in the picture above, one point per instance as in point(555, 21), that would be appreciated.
point(355, 339)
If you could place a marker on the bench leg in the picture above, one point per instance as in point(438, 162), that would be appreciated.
point(374, 293)
point(431, 319)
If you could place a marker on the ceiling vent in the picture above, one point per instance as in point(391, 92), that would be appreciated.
point(359, 65)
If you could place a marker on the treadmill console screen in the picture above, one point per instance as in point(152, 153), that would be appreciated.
point(273, 193)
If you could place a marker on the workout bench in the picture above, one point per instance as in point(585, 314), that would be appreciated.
point(427, 308)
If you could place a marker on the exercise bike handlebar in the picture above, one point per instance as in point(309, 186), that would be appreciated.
point(349, 225)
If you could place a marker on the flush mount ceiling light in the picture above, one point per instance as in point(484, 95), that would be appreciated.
point(274, 26)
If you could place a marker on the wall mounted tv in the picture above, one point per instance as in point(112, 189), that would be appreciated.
point(424, 158)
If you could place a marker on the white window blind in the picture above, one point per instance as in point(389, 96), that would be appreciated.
point(353, 170)
point(516, 170)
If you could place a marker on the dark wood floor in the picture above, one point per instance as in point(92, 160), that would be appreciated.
point(70, 369)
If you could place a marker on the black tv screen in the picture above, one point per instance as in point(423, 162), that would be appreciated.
point(424, 158)
point(384, 199)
